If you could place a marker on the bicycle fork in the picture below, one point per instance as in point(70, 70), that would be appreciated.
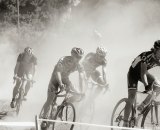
point(156, 112)
point(154, 108)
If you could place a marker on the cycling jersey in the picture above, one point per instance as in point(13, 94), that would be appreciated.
point(65, 66)
point(145, 57)
point(26, 64)
point(134, 74)
point(90, 63)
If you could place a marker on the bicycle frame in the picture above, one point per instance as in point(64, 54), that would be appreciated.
point(153, 104)
point(151, 111)
point(66, 97)
point(20, 94)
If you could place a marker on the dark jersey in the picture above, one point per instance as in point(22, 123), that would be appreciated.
point(26, 64)
point(145, 57)
point(65, 66)
point(90, 63)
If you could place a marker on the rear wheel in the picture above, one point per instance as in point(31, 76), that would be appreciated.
point(118, 113)
point(65, 113)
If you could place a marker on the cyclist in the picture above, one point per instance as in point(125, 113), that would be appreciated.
point(25, 68)
point(60, 78)
point(93, 61)
point(139, 72)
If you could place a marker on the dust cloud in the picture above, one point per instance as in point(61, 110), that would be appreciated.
point(125, 28)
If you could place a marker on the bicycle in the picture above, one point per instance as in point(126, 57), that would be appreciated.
point(2, 114)
point(20, 95)
point(88, 104)
point(149, 114)
point(64, 112)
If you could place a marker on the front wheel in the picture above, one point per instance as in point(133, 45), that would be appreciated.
point(150, 118)
point(118, 113)
point(65, 112)
point(18, 104)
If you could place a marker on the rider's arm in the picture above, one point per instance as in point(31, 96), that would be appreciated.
point(104, 69)
point(16, 68)
point(19, 59)
point(144, 73)
point(82, 77)
point(59, 78)
point(34, 69)
point(34, 65)
point(59, 70)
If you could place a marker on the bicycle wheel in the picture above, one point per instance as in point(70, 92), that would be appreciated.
point(18, 105)
point(66, 112)
point(118, 113)
point(149, 120)
point(41, 115)
point(19, 101)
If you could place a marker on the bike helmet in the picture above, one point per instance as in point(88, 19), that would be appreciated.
point(157, 44)
point(101, 51)
point(77, 52)
point(28, 50)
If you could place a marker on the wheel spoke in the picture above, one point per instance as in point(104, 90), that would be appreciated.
point(118, 113)
point(66, 113)
point(149, 120)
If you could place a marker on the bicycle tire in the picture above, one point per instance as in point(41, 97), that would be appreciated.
point(41, 112)
point(60, 111)
point(115, 109)
point(19, 101)
point(50, 116)
point(18, 106)
point(146, 114)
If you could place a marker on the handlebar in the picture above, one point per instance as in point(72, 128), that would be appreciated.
point(23, 79)
point(67, 91)
point(154, 84)
point(97, 84)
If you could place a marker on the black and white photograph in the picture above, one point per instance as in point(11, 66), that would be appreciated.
point(79, 64)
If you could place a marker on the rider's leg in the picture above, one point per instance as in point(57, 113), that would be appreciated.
point(15, 92)
point(69, 84)
point(16, 88)
point(29, 84)
point(50, 98)
point(128, 107)
point(147, 100)
point(27, 88)
point(97, 77)
point(132, 89)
